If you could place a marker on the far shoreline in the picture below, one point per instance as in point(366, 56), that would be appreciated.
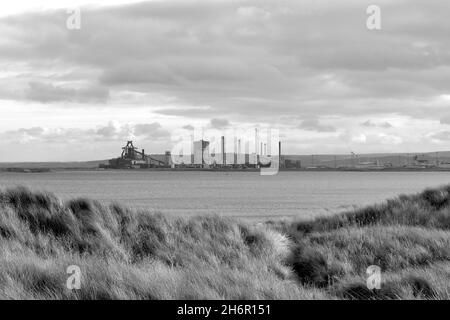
point(61, 169)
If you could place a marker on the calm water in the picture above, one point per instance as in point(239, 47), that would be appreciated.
point(231, 193)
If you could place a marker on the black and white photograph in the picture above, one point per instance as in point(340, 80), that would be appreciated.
point(231, 150)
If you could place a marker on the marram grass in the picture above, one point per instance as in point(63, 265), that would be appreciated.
point(128, 254)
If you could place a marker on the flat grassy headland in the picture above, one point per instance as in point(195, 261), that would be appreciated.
point(128, 254)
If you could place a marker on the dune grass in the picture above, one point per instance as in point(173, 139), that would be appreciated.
point(129, 254)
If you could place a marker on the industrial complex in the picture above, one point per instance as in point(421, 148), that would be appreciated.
point(201, 157)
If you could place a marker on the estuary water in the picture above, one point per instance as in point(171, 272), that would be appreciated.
point(242, 194)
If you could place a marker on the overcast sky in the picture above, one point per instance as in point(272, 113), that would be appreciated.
point(149, 70)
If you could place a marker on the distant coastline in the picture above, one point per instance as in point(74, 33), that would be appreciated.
point(375, 162)
point(51, 169)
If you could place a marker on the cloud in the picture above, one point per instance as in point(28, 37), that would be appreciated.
point(443, 136)
point(315, 125)
point(237, 57)
point(368, 123)
point(34, 131)
point(371, 139)
point(389, 139)
point(219, 123)
point(386, 125)
point(28, 135)
point(113, 131)
point(445, 120)
point(109, 130)
point(188, 127)
point(151, 130)
point(352, 137)
point(371, 124)
point(46, 92)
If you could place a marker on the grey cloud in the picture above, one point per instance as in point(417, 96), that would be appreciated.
point(34, 131)
point(443, 136)
point(368, 123)
point(371, 124)
point(152, 130)
point(110, 132)
point(107, 131)
point(45, 92)
point(188, 127)
point(445, 120)
point(25, 135)
point(243, 57)
point(315, 125)
point(219, 123)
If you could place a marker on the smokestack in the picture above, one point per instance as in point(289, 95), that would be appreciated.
point(192, 148)
point(247, 152)
point(256, 141)
point(224, 159)
point(235, 150)
point(201, 147)
point(279, 154)
point(239, 152)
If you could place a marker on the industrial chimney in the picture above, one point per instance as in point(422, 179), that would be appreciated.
point(239, 152)
point(235, 151)
point(279, 154)
point(192, 148)
point(224, 161)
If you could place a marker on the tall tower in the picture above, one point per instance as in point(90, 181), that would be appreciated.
point(224, 157)
point(279, 154)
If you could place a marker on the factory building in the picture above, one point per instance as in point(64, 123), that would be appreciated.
point(133, 158)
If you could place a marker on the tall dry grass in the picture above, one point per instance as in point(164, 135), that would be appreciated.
point(129, 254)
